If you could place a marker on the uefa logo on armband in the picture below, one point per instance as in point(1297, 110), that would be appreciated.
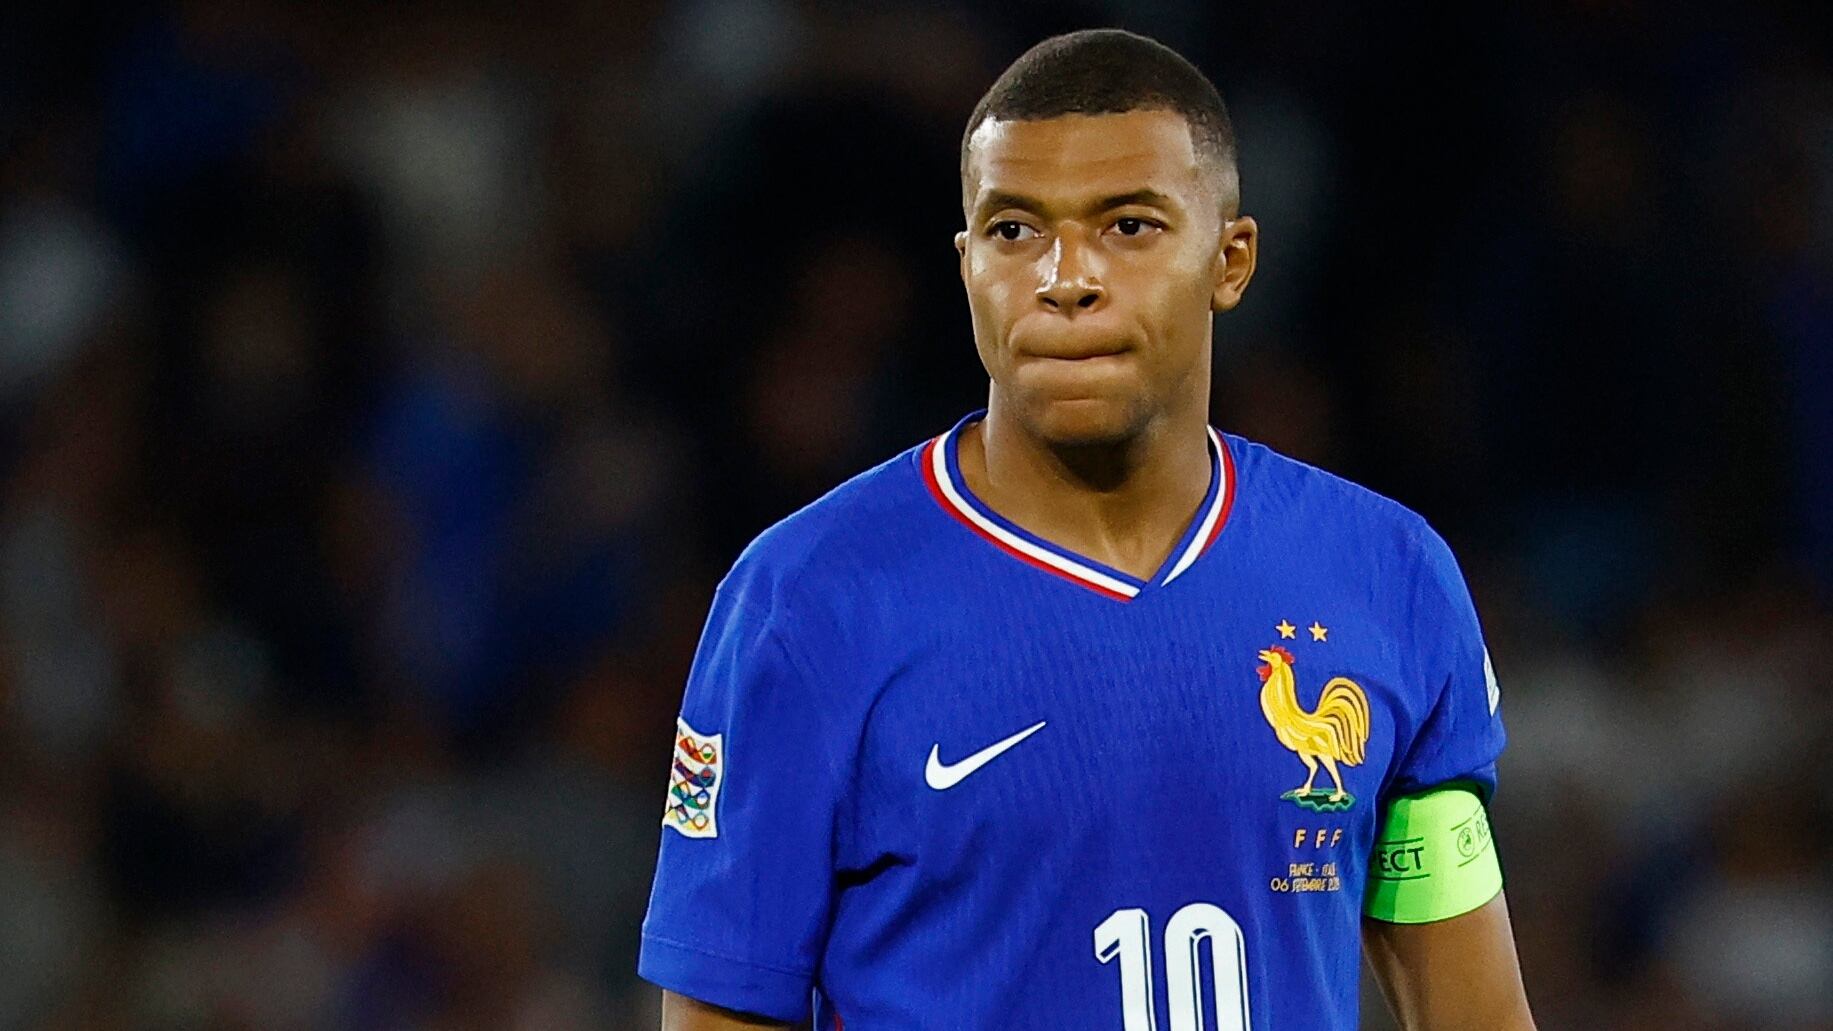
point(693, 782)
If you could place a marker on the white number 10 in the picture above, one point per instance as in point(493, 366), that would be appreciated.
point(1127, 934)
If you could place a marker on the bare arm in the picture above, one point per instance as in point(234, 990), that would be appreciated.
point(1459, 974)
point(680, 1013)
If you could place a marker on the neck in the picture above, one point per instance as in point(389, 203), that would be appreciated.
point(1123, 503)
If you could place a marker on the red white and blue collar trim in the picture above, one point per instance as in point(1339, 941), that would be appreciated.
point(941, 468)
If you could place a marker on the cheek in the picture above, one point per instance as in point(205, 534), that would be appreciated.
point(1172, 306)
point(996, 300)
point(991, 321)
point(1179, 289)
point(1162, 296)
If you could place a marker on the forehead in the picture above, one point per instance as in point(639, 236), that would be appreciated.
point(1073, 156)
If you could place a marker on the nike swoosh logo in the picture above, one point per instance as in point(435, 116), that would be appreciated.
point(943, 777)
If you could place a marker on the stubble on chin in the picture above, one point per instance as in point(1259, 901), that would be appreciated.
point(1083, 423)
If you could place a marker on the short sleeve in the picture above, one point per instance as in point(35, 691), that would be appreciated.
point(1461, 736)
point(744, 883)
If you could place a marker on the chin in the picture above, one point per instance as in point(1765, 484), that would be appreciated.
point(1084, 421)
point(1084, 403)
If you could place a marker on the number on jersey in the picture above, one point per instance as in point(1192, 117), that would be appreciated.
point(1126, 935)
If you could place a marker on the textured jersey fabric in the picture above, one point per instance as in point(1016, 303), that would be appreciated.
point(967, 779)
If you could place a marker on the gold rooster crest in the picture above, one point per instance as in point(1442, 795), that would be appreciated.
point(1336, 731)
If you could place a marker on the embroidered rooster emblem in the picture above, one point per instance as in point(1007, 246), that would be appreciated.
point(1336, 731)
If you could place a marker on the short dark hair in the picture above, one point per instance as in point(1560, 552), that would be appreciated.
point(1110, 71)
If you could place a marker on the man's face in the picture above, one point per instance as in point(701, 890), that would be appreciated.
point(1094, 253)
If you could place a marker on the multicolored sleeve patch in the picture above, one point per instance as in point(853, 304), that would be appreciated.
point(694, 782)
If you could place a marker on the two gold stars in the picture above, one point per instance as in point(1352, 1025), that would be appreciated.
point(1319, 632)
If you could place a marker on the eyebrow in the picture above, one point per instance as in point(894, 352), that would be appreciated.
point(999, 200)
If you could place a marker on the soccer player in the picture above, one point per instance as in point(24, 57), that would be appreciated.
point(1083, 714)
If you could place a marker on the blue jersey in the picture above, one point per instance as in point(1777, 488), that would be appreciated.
point(933, 771)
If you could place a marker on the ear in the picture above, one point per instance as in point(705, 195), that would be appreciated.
point(1234, 262)
point(961, 252)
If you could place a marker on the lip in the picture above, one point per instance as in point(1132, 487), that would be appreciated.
point(1075, 356)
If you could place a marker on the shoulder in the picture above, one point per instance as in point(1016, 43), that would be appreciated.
point(833, 552)
point(1335, 513)
point(1339, 535)
point(1282, 483)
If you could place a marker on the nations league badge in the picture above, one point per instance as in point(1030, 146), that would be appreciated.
point(693, 782)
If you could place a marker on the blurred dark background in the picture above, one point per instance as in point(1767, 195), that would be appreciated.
point(383, 391)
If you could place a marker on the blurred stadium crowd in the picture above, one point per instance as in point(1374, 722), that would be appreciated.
point(383, 391)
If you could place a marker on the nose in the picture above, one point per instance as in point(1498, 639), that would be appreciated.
point(1069, 282)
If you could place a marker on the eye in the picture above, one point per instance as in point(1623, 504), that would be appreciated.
point(1132, 226)
point(1012, 231)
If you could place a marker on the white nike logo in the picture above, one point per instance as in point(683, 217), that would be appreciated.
point(943, 777)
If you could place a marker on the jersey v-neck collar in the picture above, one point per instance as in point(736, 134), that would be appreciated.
point(940, 461)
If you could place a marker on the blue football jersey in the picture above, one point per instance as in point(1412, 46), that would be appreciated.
point(933, 771)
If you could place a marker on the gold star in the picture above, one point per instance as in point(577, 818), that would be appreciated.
point(1318, 633)
point(1286, 630)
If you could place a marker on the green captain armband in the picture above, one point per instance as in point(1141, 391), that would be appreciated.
point(1434, 859)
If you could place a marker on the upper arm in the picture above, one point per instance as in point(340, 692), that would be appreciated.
point(680, 1013)
point(1459, 974)
point(1460, 734)
point(744, 884)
